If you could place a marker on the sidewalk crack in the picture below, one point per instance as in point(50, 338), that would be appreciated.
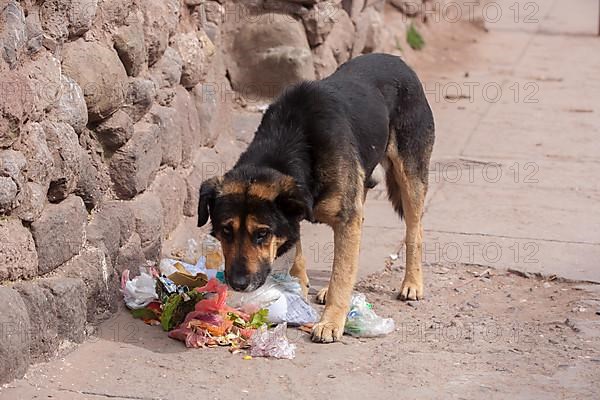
point(108, 395)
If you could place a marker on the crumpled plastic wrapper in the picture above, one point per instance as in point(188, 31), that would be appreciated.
point(272, 343)
point(139, 291)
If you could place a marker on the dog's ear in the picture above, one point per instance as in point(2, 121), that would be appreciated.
point(295, 202)
point(208, 193)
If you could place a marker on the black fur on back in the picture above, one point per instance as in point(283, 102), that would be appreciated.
point(350, 114)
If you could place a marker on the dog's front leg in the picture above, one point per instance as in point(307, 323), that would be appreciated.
point(299, 269)
point(346, 236)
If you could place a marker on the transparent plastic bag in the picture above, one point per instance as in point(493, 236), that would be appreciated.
point(272, 343)
point(362, 321)
point(282, 295)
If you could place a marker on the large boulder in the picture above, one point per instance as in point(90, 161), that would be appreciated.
point(139, 98)
point(100, 73)
point(71, 107)
point(319, 21)
point(160, 21)
point(16, 338)
point(134, 165)
point(354, 7)
point(166, 72)
point(8, 194)
point(45, 340)
point(15, 105)
point(18, 257)
point(57, 312)
point(148, 213)
point(169, 186)
point(115, 131)
point(130, 256)
point(117, 13)
point(130, 45)
point(170, 133)
point(30, 201)
point(264, 58)
point(196, 51)
point(45, 78)
point(188, 124)
point(67, 18)
point(369, 30)
point(59, 233)
point(34, 32)
point(12, 165)
point(39, 158)
point(410, 8)
point(12, 31)
point(111, 227)
point(100, 281)
point(94, 180)
point(337, 47)
point(207, 164)
point(67, 157)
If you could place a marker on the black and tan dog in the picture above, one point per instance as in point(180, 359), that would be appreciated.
point(312, 158)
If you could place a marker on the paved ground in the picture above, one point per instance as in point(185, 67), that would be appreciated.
point(513, 185)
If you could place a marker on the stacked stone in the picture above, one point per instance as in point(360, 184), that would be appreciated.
point(292, 40)
point(100, 129)
point(112, 112)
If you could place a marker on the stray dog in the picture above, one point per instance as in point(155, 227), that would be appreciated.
point(312, 158)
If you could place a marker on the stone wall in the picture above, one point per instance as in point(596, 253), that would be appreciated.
point(110, 113)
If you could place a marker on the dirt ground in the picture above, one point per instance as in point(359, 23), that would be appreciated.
point(481, 331)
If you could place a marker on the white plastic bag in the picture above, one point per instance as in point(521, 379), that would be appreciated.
point(139, 291)
point(362, 321)
point(282, 295)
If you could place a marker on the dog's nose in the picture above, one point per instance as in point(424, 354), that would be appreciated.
point(238, 282)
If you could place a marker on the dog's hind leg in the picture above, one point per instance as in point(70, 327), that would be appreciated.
point(299, 269)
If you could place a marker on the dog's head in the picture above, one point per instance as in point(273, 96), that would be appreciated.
point(255, 213)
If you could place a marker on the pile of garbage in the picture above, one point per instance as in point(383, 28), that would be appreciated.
point(188, 298)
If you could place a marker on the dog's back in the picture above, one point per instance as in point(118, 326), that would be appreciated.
point(350, 113)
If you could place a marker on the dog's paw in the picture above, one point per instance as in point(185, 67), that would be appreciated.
point(328, 331)
point(321, 297)
point(411, 290)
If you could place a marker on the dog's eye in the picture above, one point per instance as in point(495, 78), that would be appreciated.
point(227, 232)
point(261, 235)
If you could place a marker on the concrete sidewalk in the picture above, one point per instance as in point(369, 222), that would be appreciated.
point(514, 175)
point(515, 167)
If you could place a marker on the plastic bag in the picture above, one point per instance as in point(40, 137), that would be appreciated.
point(139, 291)
point(362, 320)
point(272, 343)
point(282, 295)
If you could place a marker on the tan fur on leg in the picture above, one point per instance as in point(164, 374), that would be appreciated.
point(299, 269)
point(343, 277)
point(413, 199)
